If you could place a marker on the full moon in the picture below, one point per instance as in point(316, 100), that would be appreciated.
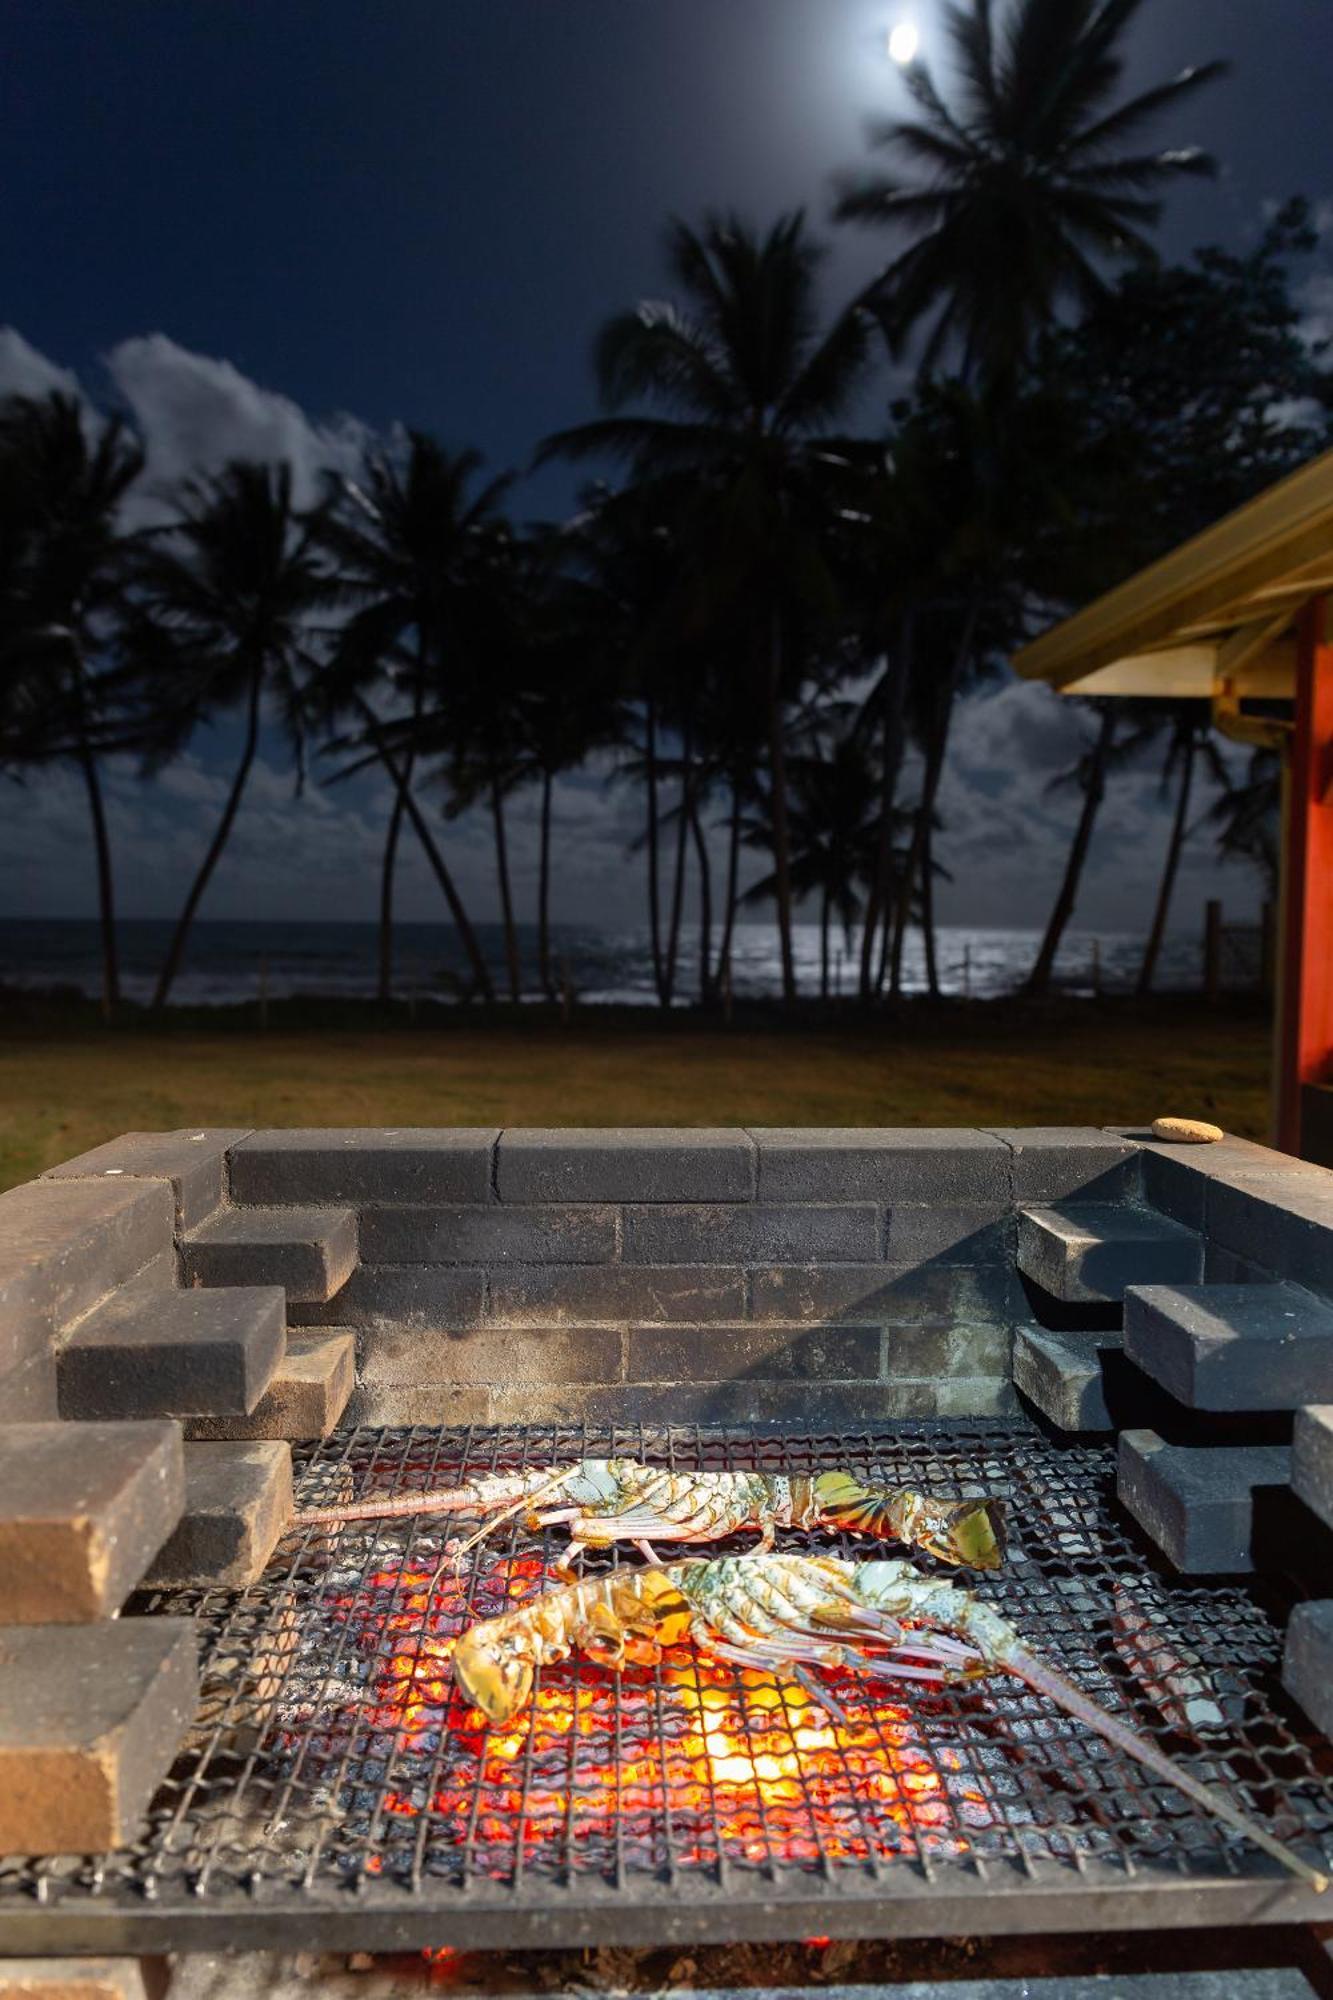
point(904, 41)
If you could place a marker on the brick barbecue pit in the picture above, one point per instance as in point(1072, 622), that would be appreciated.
point(962, 1311)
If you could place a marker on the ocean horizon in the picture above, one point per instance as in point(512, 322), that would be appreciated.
point(231, 961)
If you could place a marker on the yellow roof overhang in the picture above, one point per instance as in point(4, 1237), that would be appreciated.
point(1218, 613)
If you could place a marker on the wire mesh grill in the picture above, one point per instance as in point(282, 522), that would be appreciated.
point(331, 1754)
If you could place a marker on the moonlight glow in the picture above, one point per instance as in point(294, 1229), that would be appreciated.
point(904, 41)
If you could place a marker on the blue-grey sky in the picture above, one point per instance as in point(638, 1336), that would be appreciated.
point(276, 223)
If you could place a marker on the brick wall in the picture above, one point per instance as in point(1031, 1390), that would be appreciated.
point(678, 1275)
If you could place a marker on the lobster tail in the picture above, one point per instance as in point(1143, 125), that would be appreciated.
point(966, 1533)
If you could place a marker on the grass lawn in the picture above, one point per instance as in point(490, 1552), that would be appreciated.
point(63, 1089)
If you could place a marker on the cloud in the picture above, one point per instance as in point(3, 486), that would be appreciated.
point(196, 412)
point(25, 372)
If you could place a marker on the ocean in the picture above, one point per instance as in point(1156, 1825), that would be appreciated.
point(233, 961)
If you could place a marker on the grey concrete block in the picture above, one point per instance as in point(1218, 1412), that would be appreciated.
point(310, 1252)
point(572, 1233)
point(1232, 1347)
point(64, 1245)
point(1312, 1460)
point(945, 1349)
point(409, 1295)
point(1176, 1177)
point(1307, 1661)
point(718, 1233)
point(835, 1406)
point(83, 1510)
point(307, 1396)
point(957, 1167)
point(881, 1295)
point(1197, 1503)
point(937, 1233)
point(1062, 1374)
point(194, 1162)
point(1070, 1162)
point(570, 1294)
point(773, 1354)
point(976, 1396)
point(173, 1354)
point(395, 1403)
point(450, 1163)
point(1224, 1267)
point(1273, 1222)
point(548, 1354)
point(1089, 1253)
point(28, 1392)
point(238, 1501)
point(90, 1720)
point(622, 1164)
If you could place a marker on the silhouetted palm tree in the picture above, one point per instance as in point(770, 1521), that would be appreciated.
point(405, 538)
point(1023, 181)
point(224, 598)
point(741, 390)
point(63, 478)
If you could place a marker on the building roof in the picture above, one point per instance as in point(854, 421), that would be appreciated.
point(1219, 611)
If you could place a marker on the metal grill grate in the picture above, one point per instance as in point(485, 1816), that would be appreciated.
point(335, 1789)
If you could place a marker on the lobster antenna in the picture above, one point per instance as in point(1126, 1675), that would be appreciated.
point(1048, 1680)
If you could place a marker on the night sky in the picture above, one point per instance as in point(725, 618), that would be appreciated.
point(277, 226)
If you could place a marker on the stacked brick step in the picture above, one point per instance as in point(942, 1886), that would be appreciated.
point(1087, 1254)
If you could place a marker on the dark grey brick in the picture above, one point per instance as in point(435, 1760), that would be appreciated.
point(306, 1397)
point(1050, 1163)
point(420, 1295)
point(310, 1252)
point(1224, 1267)
point(1269, 1222)
point(1176, 1177)
point(955, 1167)
point(975, 1396)
point(834, 1406)
point(577, 1294)
point(754, 1234)
point(449, 1163)
point(83, 1510)
point(550, 1354)
point(1232, 1347)
point(193, 1161)
point(1197, 1503)
point(1086, 1253)
point(431, 1403)
point(945, 1349)
point(935, 1233)
point(64, 1245)
point(574, 1233)
point(1307, 1662)
point(714, 1353)
point(1062, 1374)
point(90, 1719)
point(883, 1296)
point(238, 1501)
point(1312, 1460)
point(1064, 1162)
point(28, 1392)
point(173, 1354)
point(625, 1164)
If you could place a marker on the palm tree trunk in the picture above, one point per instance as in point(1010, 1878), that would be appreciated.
point(1039, 979)
point(705, 908)
point(897, 673)
point(823, 944)
point(1148, 970)
point(106, 894)
point(777, 767)
point(682, 836)
point(654, 896)
point(936, 751)
point(176, 951)
point(387, 865)
point(544, 891)
point(928, 907)
point(480, 969)
point(733, 886)
point(506, 894)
